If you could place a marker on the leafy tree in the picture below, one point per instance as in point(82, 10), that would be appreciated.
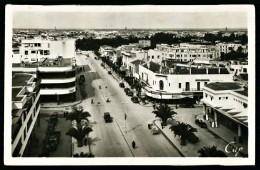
point(184, 131)
point(77, 114)
point(164, 112)
point(211, 152)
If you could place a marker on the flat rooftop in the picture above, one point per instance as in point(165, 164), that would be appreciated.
point(21, 79)
point(15, 92)
point(242, 92)
point(223, 86)
point(59, 62)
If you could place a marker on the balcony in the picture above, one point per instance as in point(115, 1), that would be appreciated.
point(192, 90)
point(58, 91)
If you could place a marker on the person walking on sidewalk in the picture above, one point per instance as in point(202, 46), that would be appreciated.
point(154, 106)
point(133, 144)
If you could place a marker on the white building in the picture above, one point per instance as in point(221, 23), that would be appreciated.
point(228, 47)
point(36, 50)
point(227, 104)
point(144, 43)
point(185, 52)
point(179, 82)
point(25, 110)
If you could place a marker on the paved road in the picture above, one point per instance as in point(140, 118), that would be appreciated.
point(115, 138)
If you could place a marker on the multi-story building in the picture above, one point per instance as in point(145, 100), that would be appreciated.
point(226, 103)
point(144, 43)
point(58, 73)
point(177, 82)
point(183, 52)
point(228, 47)
point(58, 78)
point(25, 110)
point(35, 50)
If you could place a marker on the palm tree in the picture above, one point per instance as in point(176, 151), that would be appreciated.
point(164, 112)
point(77, 114)
point(211, 152)
point(185, 131)
point(79, 132)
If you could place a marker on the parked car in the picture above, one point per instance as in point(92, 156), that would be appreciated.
point(135, 99)
point(107, 117)
point(126, 90)
point(122, 84)
point(82, 77)
point(130, 93)
point(154, 130)
point(189, 105)
point(201, 123)
point(109, 72)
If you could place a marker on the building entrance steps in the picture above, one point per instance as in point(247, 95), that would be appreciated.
point(227, 135)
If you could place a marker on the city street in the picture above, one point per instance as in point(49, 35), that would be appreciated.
point(115, 138)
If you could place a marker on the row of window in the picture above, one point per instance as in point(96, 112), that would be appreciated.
point(41, 52)
point(238, 101)
point(34, 45)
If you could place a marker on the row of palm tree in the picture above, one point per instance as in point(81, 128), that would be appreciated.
point(184, 131)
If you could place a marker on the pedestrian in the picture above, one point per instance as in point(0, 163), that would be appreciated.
point(133, 144)
point(162, 125)
point(92, 101)
point(154, 106)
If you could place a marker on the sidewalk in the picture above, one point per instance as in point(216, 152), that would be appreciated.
point(190, 150)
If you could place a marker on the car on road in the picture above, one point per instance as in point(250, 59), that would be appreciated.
point(154, 129)
point(201, 123)
point(109, 72)
point(126, 90)
point(188, 105)
point(130, 93)
point(122, 84)
point(135, 99)
point(107, 117)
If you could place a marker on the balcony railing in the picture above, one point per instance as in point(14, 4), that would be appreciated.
point(191, 89)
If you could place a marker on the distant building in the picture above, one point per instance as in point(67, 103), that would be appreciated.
point(145, 43)
point(25, 110)
point(228, 47)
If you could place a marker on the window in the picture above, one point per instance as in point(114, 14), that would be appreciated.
point(205, 83)
point(161, 85)
point(169, 84)
point(33, 52)
point(179, 85)
point(245, 70)
point(152, 57)
point(219, 98)
point(46, 52)
point(226, 98)
point(41, 52)
point(158, 56)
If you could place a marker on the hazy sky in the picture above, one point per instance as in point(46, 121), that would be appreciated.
point(106, 20)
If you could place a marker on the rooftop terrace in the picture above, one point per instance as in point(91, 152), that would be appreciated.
point(21, 79)
point(58, 62)
point(223, 86)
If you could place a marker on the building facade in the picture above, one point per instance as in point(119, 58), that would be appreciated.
point(226, 103)
point(25, 110)
point(35, 50)
point(179, 82)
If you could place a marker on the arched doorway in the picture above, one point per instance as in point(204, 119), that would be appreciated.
point(161, 85)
